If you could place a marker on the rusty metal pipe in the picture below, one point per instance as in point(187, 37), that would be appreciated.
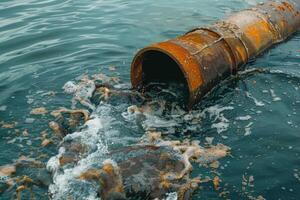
point(204, 56)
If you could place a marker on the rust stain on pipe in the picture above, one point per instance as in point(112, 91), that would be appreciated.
point(207, 55)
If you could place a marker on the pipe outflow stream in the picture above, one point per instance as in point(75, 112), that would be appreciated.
point(204, 56)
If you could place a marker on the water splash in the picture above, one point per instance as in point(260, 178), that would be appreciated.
point(96, 139)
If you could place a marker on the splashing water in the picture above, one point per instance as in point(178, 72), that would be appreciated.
point(98, 135)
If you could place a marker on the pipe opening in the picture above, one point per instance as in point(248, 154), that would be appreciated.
point(160, 69)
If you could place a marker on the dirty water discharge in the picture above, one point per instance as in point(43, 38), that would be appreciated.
point(72, 128)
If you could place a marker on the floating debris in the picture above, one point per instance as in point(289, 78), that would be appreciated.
point(70, 87)
point(105, 79)
point(46, 142)
point(59, 113)
point(67, 159)
point(87, 89)
point(105, 93)
point(115, 79)
point(8, 125)
point(24, 161)
point(39, 111)
point(41, 176)
point(110, 177)
point(82, 92)
point(56, 128)
point(7, 170)
point(26, 184)
point(214, 164)
point(68, 120)
point(216, 182)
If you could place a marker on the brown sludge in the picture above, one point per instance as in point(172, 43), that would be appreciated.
point(153, 168)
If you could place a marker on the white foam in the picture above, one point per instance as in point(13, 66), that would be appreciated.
point(70, 87)
point(257, 102)
point(215, 113)
point(157, 122)
point(172, 196)
point(221, 126)
point(53, 162)
point(274, 96)
point(216, 110)
point(93, 137)
point(248, 129)
point(243, 118)
point(82, 92)
point(153, 119)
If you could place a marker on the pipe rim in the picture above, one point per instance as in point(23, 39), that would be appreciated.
point(187, 64)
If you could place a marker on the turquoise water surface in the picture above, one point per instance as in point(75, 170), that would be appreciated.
point(45, 44)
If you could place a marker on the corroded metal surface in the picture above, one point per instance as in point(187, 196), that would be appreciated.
point(206, 55)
